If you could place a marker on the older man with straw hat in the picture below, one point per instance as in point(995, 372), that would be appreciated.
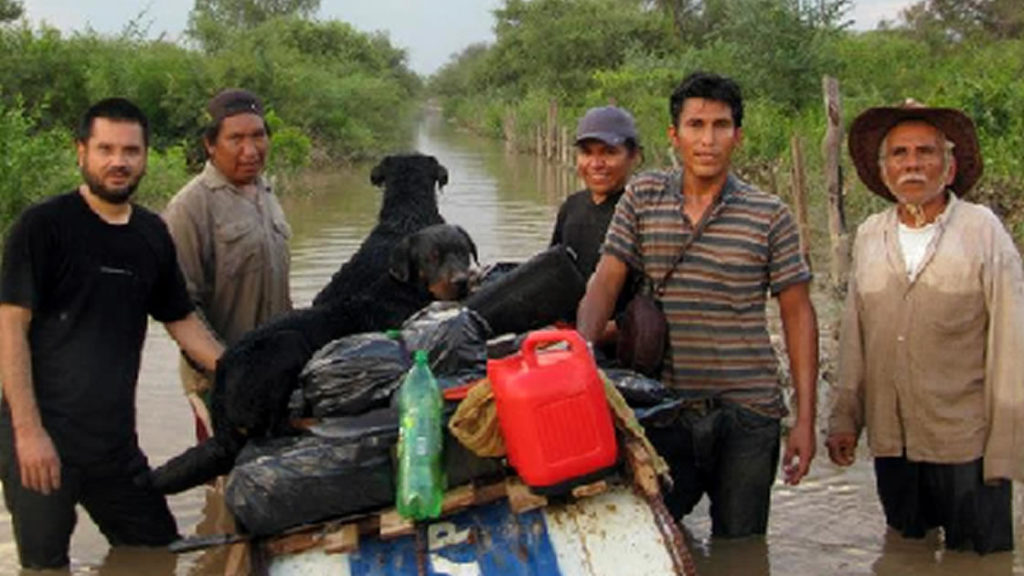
point(932, 334)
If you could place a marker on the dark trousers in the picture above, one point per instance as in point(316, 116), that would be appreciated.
point(918, 496)
point(126, 514)
point(725, 451)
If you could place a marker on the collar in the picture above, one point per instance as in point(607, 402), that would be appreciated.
point(612, 197)
point(730, 189)
point(214, 179)
point(941, 221)
point(895, 251)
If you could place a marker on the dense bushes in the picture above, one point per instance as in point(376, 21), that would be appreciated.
point(334, 94)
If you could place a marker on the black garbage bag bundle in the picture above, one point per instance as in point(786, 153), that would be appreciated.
point(344, 467)
point(460, 464)
point(454, 336)
point(636, 389)
point(654, 404)
point(278, 483)
point(353, 374)
point(357, 373)
point(545, 289)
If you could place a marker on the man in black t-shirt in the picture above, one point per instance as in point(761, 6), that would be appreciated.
point(82, 272)
point(607, 150)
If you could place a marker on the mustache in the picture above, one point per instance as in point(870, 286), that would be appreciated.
point(911, 177)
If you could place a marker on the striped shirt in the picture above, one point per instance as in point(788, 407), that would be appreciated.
point(715, 300)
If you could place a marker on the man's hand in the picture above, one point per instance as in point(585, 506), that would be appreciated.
point(37, 460)
point(842, 448)
point(801, 446)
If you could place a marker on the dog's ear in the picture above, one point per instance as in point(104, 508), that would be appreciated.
point(469, 240)
point(402, 265)
point(377, 174)
point(441, 175)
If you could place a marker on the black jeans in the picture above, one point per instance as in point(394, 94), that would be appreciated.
point(726, 451)
point(918, 496)
point(126, 514)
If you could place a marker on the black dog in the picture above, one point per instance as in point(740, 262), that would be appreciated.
point(409, 204)
point(256, 375)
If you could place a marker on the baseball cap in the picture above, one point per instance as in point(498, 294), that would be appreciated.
point(609, 124)
point(232, 102)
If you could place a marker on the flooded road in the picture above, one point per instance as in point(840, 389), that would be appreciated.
point(830, 524)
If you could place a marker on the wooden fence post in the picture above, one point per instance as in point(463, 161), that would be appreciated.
point(509, 128)
point(832, 147)
point(798, 178)
point(552, 130)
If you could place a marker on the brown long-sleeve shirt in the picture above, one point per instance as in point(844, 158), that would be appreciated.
point(233, 252)
point(934, 366)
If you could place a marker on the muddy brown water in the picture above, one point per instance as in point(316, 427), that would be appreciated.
point(830, 524)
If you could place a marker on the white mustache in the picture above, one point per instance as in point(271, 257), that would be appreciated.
point(911, 177)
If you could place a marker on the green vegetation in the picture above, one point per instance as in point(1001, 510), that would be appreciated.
point(334, 94)
point(584, 53)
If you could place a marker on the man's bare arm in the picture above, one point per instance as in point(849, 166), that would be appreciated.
point(38, 461)
point(598, 303)
point(196, 341)
point(799, 323)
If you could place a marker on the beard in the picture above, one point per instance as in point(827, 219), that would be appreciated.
point(118, 195)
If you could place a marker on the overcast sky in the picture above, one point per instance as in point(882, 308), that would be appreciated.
point(430, 30)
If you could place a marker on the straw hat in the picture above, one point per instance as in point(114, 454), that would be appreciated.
point(869, 129)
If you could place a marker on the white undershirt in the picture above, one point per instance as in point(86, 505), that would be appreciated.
point(914, 242)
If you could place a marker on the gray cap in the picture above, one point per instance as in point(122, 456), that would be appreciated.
point(609, 124)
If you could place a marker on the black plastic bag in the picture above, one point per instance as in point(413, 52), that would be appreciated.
point(638, 390)
point(353, 374)
point(344, 467)
point(283, 482)
point(460, 465)
point(454, 336)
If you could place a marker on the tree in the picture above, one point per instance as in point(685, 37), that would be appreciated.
point(248, 13)
point(10, 10)
point(957, 20)
point(210, 18)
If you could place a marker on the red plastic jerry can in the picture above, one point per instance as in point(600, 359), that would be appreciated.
point(552, 410)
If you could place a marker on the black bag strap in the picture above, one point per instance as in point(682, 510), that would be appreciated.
point(659, 289)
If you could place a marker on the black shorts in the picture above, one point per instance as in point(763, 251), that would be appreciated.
point(918, 496)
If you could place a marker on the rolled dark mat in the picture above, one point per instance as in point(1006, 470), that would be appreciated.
point(544, 289)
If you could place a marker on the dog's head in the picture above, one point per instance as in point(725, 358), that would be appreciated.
point(405, 169)
point(441, 258)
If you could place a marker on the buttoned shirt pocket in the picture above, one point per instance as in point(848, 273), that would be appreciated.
point(238, 246)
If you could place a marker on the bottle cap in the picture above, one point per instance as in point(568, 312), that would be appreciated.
point(420, 356)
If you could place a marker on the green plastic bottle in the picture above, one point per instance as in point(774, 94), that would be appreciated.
point(420, 475)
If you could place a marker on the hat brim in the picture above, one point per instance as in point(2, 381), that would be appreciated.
point(606, 137)
point(870, 127)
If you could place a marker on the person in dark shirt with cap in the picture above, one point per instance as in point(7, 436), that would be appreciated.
point(607, 150)
point(230, 234)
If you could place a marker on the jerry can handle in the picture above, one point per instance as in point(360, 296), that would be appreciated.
point(529, 348)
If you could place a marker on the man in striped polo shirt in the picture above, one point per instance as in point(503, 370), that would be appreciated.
point(725, 440)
